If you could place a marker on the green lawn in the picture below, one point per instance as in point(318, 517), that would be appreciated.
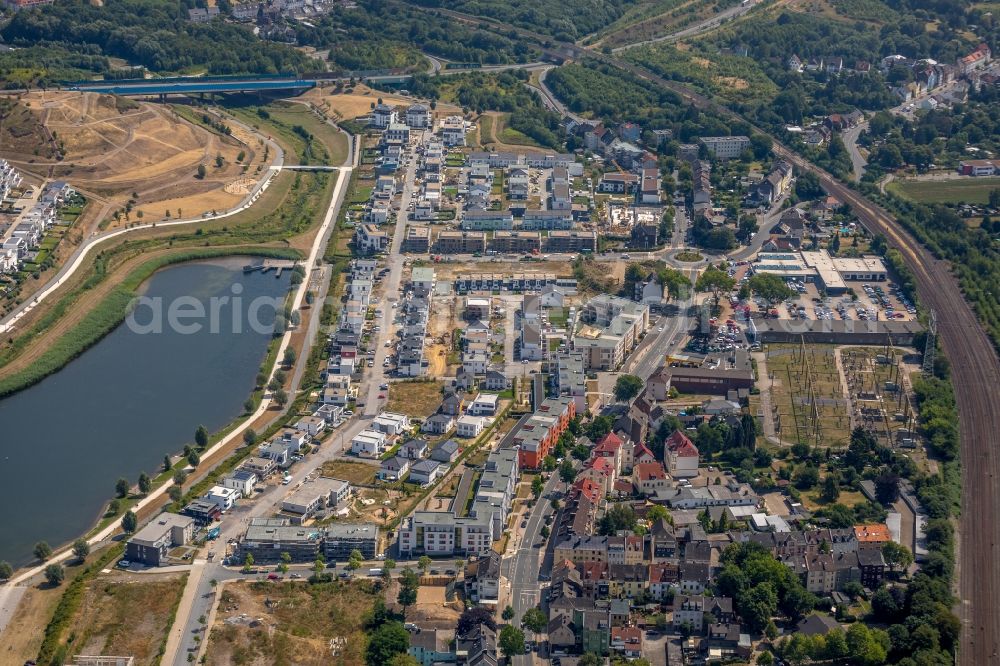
point(966, 190)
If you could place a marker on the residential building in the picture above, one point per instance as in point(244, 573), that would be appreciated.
point(394, 469)
point(369, 443)
point(418, 240)
point(469, 426)
point(391, 423)
point(612, 327)
point(563, 241)
point(341, 539)
point(242, 481)
point(460, 242)
point(438, 424)
point(447, 452)
point(382, 116)
point(539, 433)
point(151, 545)
point(426, 472)
point(369, 239)
point(222, 497)
point(431, 647)
point(484, 404)
point(418, 116)
point(681, 455)
point(487, 220)
point(482, 578)
point(726, 147)
point(447, 534)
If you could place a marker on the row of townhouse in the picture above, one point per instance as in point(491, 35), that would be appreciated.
point(25, 233)
point(415, 308)
point(266, 539)
point(520, 241)
point(505, 160)
point(611, 328)
point(773, 186)
point(451, 533)
point(535, 437)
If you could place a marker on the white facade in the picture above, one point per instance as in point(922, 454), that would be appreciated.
point(469, 426)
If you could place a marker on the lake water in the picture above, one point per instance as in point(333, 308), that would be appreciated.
point(126, 402)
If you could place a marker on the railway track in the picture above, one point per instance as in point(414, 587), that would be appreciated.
point(974, 363)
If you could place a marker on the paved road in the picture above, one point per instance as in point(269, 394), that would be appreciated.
point(75, 260)
point(549, 99)
point(522, 570)
point(850, 137)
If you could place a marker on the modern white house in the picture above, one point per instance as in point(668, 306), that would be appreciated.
point(242, 481)
point(222, 497)
point(484, 404)
point(391, 423)
point(368, 444)
point(469, 426)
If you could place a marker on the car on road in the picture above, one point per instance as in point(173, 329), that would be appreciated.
point(273, 576)
point(381, 396)
point(383, 387)
point(295, 575)
point(348, 412)
point(124, 564)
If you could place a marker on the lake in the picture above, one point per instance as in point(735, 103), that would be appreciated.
point(130, 399)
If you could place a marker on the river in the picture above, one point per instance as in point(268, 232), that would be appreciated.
point(126, 402)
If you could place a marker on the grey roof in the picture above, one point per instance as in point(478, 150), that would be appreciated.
point(425, 466)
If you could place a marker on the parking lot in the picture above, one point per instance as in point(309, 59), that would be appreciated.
point(868, 302)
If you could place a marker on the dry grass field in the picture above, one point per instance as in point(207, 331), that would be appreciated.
point(347, 106)
point(117, 149)
point(420, 399)
point(301, 624)
point(127, 615)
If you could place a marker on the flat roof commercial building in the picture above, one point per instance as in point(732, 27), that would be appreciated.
point(339, 539)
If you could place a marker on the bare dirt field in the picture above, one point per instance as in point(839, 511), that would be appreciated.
point(302, 624)
point(116, 148)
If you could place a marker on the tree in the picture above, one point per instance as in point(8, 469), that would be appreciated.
point(511, 641)
point(897, 555)
point(537, 485)
point(129, 522)
point(201, 172)
point(549, 463)
point(318, 566)
point(758, 605)
point(534, 620)
point(424, 563)
point(387, 641)
point(566, 471)
point(831, 489)
point(770, 287)
point(627, 387)
point(590, 659)
point(248, 563)
point(403, 660)
point(55, 574)
point(122, 487)
point(43, 551)
point(201, 437)
point(249, 437)
point(145, 484)
point(6, 571)
point(865, 646)
point(715, 280)
point(166, 463)
point(507, 615)
point(656, 512)
point(193, 459)
point(281, 397)
point(408, 584)
point(81, 549)
point(887, 488)
point(219, 161)
point(474, 617)
point(353, 564)
point(286, 559)
point(289, 356)
point(619, 517)
point(175, 493)
point(180, 476)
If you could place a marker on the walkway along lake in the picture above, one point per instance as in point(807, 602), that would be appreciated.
point(129, 400)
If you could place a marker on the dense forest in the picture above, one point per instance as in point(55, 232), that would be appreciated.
point(153, 33)
point(566, 20)
point(376, 34)
point(497, 91)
